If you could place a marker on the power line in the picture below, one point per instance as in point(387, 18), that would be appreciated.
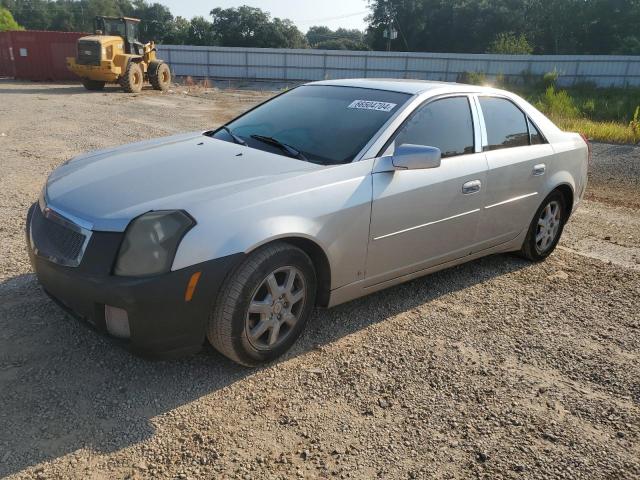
point(326, 19)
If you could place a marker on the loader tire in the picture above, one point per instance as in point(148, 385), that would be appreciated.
point(93, 84)
point(131, 81)
point(159, 76)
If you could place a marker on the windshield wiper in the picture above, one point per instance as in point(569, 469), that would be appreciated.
point(235, 137)
point(282, 146)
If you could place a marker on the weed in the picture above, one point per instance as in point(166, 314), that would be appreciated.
point(472, 78)
point(558, 103)
point(550, 79)
point(634, 125)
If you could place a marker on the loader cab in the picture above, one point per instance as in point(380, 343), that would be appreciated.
point(125, 27)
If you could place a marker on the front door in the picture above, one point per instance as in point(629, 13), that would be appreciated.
point(422, 218)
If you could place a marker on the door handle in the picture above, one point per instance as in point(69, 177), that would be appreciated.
point(471, 187)
point(539, 169)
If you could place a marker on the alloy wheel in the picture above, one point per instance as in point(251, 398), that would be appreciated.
point(548, 226)
point(275, 308)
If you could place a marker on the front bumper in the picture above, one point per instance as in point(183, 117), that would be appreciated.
point(161, 322)
point(106, 71)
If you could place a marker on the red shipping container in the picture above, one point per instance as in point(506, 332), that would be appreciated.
point(41, 55)
point(6, 55)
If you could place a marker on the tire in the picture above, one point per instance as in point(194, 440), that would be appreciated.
point(94, 85)
point(159, 76)
point(236, 332)
point(553, 213)
point(133, 78)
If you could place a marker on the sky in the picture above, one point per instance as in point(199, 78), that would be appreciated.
point(304, 13)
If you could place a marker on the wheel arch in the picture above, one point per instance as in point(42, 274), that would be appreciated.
point(318, 257)
point(567, 194)
point(564, 182)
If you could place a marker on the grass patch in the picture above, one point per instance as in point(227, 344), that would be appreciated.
point(600, 131)
point(577, 113)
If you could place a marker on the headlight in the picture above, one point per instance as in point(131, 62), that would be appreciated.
point(150, 243)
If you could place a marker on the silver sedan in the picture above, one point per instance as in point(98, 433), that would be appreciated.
point(325, 193)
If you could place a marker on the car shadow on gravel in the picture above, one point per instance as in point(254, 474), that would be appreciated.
point(64, 387)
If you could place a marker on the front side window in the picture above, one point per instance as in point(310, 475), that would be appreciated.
point(506, 124)
point(328, 125)
point(114, 27)
point(132, 32)
point(445, 124)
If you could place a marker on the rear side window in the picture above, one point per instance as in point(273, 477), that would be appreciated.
point(506, 124)
point(534, 134)
point(445, 124)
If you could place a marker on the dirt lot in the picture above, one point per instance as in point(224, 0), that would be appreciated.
point(495, 369)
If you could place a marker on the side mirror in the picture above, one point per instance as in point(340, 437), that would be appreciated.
point(416, 157)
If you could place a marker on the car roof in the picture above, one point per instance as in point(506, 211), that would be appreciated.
point(412, 87)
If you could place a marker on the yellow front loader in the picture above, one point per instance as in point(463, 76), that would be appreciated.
point(114, 55)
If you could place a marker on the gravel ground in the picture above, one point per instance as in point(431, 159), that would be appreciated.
point(495, 369)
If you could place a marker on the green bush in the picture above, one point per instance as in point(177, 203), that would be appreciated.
point(589, 107)
point(508, 43)
point(7, 23)
point(472, 78)
point(634, 125)
point(501, 80)
point(558, 103)
point(550, 79)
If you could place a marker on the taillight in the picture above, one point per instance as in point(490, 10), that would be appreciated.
point(586, 140)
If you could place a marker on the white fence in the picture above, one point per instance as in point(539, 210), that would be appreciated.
point(296, 65)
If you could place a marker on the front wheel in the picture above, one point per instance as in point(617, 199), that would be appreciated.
point(159, 76)
point(264, 305)
point(546, 228)
point(131, 81)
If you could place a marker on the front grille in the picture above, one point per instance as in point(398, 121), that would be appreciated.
point(57, 239)
point(89, 52)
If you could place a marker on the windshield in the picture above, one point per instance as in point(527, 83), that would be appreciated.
point(325, 124)
point(113, 27)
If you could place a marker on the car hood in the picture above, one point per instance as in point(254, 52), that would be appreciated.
point(107, 188)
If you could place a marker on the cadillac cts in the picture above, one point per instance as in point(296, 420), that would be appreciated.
point(323, 194)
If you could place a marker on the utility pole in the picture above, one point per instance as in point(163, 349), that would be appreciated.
point(389, 33)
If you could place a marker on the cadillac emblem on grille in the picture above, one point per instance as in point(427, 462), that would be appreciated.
point(56, 238)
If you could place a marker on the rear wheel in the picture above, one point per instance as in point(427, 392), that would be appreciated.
point(159, 75)
point(93, 84)
point(132, 79)
point(546, 228)
point(264, 305)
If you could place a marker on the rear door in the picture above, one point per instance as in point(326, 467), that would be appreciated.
point(517, 156)
point(425, 217)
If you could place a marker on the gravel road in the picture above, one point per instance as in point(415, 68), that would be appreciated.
point(495, 369)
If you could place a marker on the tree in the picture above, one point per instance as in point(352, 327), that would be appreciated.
point(178, 31)
point(508, 43)
point(470, 26)
point(200, 32)
point(155, 20)
point(317, 34)
point(252, 27)
point(629, 46)
point(7, 23)
point(341, 39)
point(341, 44)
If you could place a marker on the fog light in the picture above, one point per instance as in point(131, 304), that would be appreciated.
point(117, 321)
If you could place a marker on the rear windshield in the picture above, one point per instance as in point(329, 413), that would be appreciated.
point(327, 124)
